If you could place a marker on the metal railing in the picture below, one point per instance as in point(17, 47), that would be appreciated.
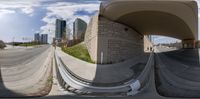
point(71, 83)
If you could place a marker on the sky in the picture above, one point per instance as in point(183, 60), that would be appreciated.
point(23, 18)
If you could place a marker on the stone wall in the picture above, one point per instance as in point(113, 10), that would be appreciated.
point(117, 42)
point(112, 42)
point(91, 37)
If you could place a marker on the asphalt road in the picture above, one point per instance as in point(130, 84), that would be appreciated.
point(21, 70)
point(13, 57)
point(178, 73)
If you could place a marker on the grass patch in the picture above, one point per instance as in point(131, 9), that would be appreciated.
point(28, 44)
point(79, 51)
point(33, 43)
point(50, 80)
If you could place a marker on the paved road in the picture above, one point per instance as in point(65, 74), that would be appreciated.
point(22, 70)
point(178, 73)
point(18, 56)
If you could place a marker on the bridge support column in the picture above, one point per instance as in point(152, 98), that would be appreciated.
point(190, 43)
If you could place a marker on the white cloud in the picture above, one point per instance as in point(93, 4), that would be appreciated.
point(66, 11)
point(5, 11)
point(49, 27)
point(28, 11)
point(26, 6)
point(164, 39)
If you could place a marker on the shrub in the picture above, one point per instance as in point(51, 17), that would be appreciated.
point(2, 44)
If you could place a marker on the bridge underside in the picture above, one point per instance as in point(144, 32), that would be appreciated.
point(117, 32)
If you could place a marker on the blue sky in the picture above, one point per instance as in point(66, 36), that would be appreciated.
point(22, 18)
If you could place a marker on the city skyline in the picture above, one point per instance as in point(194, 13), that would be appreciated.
point(41, 38)
point(60, 31)
point(127, 49)
point(79, 29)
point(22, 19)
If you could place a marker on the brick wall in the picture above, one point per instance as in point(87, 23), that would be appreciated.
point(112, 42)
point(117, 42)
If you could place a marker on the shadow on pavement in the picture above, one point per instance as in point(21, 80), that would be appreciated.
point(178, 73)
point(119, 73)
point(5, 92)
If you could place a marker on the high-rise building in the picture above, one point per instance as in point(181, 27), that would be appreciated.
point(37, 37)
point(44, 38)
point(60, 32)
point(79, 28)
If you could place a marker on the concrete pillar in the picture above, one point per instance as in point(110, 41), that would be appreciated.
point(189, 43)
point(197, 44)
point(148, 45)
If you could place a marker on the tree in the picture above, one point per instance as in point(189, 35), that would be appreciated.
point(2, 44)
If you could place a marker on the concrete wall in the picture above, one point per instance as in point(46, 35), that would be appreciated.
point(174, 18)
point(148, 46)
point(188, 43)
point(112, 42)
point(91, 37)
point(117, 42)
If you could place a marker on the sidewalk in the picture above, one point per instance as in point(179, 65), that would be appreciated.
point(104, 75)
point(56, 89)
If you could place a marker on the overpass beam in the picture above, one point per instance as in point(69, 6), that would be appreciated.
point(188, 43)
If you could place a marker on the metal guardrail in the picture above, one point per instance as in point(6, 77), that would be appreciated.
point(71, 83)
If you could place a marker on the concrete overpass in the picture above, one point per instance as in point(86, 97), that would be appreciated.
point(174, 18)
point(117, 32)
